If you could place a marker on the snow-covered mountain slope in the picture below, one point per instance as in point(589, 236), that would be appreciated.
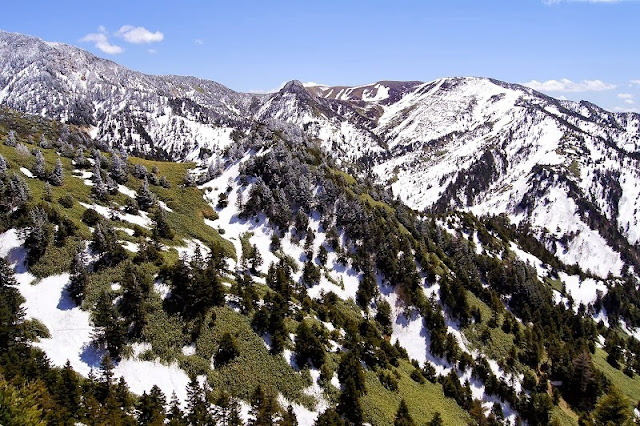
point(570, 170)
point(177, 116)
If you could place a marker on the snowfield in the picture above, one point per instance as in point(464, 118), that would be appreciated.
point(71, 330)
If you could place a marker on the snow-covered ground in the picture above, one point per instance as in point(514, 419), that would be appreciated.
point(71, 330)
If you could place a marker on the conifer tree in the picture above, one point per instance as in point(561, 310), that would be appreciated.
point(77, 280)
point(79, 160)
point(145, 198)
point(136, 285)
point(48, 196)
point(161, 227)
point(175, 415)
point(110, 332)
point(289, 418)
point(4, 166)
point(118, 170)
point(57, 176)
point(99, 189)
point(69, 392)
point(612, 409)
point(11, 311)
point(436, 420)
point(11, 139)
point(39, 166)
point(39, 234)
point(403, 418)
point(197, 410)
point(308, 348)
point(227, 350)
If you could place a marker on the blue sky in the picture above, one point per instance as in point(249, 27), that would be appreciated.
point(578, 49)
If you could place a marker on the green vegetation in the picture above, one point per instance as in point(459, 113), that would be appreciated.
point(381, 404)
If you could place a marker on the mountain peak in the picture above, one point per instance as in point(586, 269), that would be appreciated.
point(293, 86)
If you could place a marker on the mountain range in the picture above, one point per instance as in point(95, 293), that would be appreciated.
point(468, 219)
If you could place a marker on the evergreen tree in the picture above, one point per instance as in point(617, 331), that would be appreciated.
point(263, 408)
point(308, 348)
point(69, 392)
point(403, 418)
point(612, 409)
point(99, 189)
point(57, 176)
point(349, 403)
point(4, 166)
point(436, 420)
point(78, 279)
point(383, 316)
point(11, 311)
point(289, 418)
point(11, 139)
point(48, 196)
point(151, 408)
point(39, 234)
point(145, 198)
point(235, 418)
point(133, 307)
point(329, 418)
point(123, 397)
point(118, 170)
point(110, 331)
point(227, 351)
point(39, 170)
point(161, 227)
point(197, 409)
point(175, 415)
point(79, 160)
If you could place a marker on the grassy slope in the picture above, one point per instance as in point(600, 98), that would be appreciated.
point(380, 404)
point(629, 386)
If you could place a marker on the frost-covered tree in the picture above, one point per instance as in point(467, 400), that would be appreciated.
point(3, 167)
point(189, 180)
point(48, 196)
point(17, 193)
point(99, 189)
point(22, 151)
point(164, 182)
point(112, 185)
point(44, 142)
point(39, 170)
point(118, 169)
point(79, 160)
point(145, 198)
point(11, 139)
point(57, 176)
point(139, 171)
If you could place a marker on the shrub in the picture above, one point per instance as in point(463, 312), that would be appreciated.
point(66, 201)
point(90, 217)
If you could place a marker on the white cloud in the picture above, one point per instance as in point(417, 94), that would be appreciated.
point(566, 85)
point(635, 82)
point(102, 41)
point(152, 51)
point(139, 35)
point(629, 101)
point(199, 41)
point(625, 96)
point(623, 109)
